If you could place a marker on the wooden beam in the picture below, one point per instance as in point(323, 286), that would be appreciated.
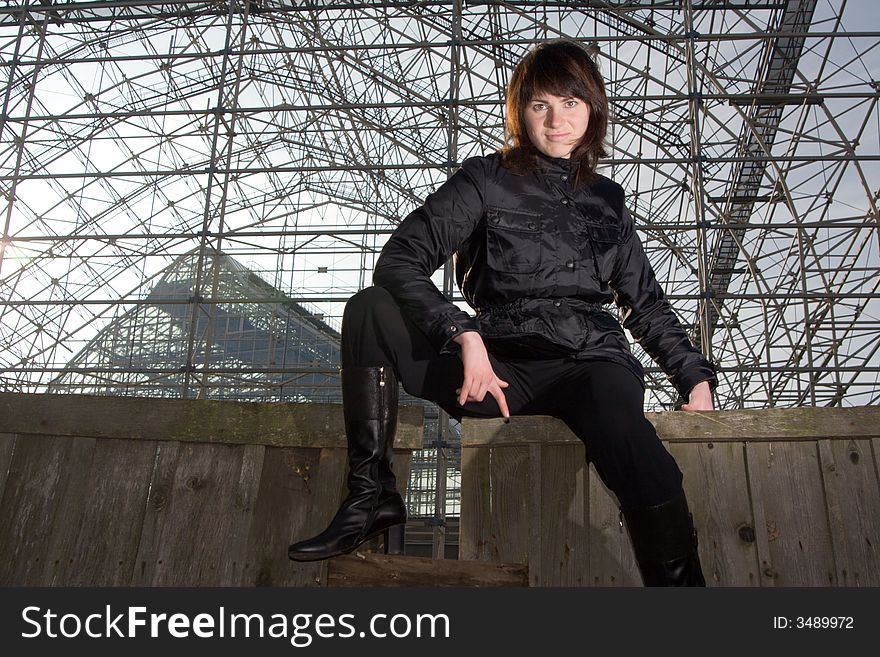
point(279, 424)
point(371, 569)
point(762, 425)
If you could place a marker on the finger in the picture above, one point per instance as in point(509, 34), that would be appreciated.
point(468, 389)
point(478, 390)
point(502, 401)
point(501, 383)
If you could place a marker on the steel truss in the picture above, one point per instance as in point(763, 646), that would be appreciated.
point(169, 167)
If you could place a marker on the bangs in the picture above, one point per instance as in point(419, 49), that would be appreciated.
point(553, 75)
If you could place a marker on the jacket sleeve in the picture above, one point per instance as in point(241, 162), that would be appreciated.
point(648, 316)
point(423, 241)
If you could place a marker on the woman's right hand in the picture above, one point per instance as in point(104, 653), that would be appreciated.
point(479, 377)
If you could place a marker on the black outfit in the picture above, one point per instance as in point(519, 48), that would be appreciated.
point(600, 400)
point(537, 257)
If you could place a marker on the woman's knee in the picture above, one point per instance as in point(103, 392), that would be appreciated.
point(366, 301)
point(363, 319)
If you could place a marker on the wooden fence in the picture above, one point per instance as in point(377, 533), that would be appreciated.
point(116, 491)
point(120, 491)
point(780, 497)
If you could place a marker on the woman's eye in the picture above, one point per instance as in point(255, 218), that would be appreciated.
point(537, 107)
point(571, 103)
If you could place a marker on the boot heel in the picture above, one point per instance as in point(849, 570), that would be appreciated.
point(393, 539)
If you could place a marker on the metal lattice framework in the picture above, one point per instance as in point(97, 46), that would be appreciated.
point(268, 147)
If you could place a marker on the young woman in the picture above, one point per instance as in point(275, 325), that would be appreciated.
point(541, 242)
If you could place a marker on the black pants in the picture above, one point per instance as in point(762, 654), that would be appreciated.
point(601, 401)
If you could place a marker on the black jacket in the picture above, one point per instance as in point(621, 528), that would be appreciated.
point(537, 257)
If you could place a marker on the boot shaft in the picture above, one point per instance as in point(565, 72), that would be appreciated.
point(665, 543)
point(370, 405)
point(369, 393)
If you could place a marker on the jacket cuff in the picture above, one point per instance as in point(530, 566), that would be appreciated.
point(685, 381)
point(448, 327)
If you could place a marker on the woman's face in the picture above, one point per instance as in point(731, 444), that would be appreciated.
point(556, 124)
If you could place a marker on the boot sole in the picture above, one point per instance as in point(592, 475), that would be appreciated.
point(322, 557)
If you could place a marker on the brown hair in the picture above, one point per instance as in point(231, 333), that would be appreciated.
point(562, 68)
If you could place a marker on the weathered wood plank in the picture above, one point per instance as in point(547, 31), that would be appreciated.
point(562, 511)
point(369, 569)
point(777, 424)
point(786, 493)
point(520, 430)
point(853, 499)
point(612, 561)
point(35, 486)
point(189, 420)
point(534, 503)
point(510, 489)
point(244, 501)
point(300, 490)
point(279, 517)
point(94, 540)
point(68, 508)
point(7, 447)
point(763, 534)
point(875, 448)
point(718, 495)
point(496, 483)
point(475, 528)
point(157, 508)
point(401, 465)
point(197, 520)
point(331, 484)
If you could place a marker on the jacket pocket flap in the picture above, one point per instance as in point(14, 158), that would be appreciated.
point(606, 232)
point(519, 220)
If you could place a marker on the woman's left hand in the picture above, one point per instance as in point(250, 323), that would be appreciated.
point(699, 399)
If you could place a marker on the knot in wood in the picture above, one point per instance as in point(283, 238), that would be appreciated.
point(746, 533)
point(159, 499)
point(194, 482)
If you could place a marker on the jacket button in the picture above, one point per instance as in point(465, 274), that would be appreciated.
point(557, 303)
point(570, 264)
point(532, 225)
point(565, 201)
point(453, 328)
point(564, 178)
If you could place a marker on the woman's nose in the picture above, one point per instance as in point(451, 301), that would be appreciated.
point(551, 119)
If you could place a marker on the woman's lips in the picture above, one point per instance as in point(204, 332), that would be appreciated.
point(557, 137)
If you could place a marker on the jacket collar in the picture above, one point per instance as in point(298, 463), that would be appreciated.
point(558, 164)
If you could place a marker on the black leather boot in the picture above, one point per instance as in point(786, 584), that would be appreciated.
point(373, 505)
point(665, 543)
